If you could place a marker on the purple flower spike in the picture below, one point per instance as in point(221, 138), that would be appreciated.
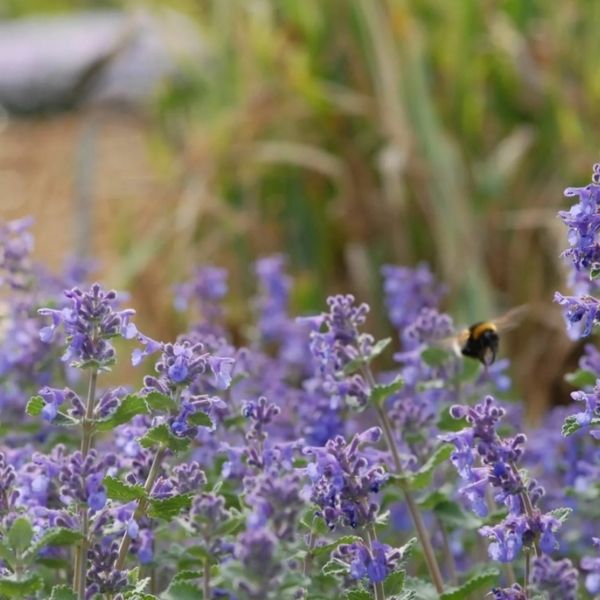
point(90, 321)
point(375, 564)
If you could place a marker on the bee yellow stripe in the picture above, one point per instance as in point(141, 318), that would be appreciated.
point(482, 328)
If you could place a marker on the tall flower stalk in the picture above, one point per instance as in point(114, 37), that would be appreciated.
point(90, 320)
point(343, 355)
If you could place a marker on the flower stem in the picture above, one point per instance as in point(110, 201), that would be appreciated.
point(80, 569)
point(526, 574)
point(370, 538)
point(430, 559)
point(312, 540)
point(527, 507)
point(141, 506)
point(206, 580)
point(448, 553)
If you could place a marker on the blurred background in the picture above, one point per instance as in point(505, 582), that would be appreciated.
point(347, 134)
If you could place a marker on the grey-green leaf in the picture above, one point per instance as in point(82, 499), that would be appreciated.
point(35, 406)
point(169, 508)
point(20, 534)
point(485, 578)
point(162, 435)
point(62, 592)
point(121, 491)
point(422, 477)
point(381, 392)
point(130, 406)
point(9, 586)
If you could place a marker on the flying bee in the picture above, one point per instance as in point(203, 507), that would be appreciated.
point(481, 340)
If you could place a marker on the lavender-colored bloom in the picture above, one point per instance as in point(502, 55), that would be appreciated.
point(514, 592)
point(558, 578)
point(592, 405)
point(206, 289)
point(338, 345)
point(102, 577)
point(428, 326)
point(407, 291)
point(222, 368)
point(55, 398)
point(261, 414)
point(255, 548)
point(375, 564)
point(16, 247)
point(506, 538)
point(273, 301)
point(81, 479)
point(581, 313)
point(150, 346)
point(343, 480)
point(276, 500)
point(591, 564)
point(90, 322)
point(590, 360)
point(583, 221)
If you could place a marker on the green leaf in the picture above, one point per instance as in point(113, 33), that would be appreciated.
point(160, 402)
point(7, 554)
point(447, 422)
point(483, 579)
point(130, 406)
point(169, 508)
point(20, 534)
point(62, 592)
point(434, 356)
point(35, 406)
point(121, 491)
point(420, 589)
point(393, 583)
point(334, 567)
point(380, 393)
point(378, 348)
point(470, 370)
point(200, 419)
point(27, 585)
point(594, 271)
point(326, 549)
point(359, 594)
point(570, 425)
point(452, 515)
point(422, 477)
point(64, 420)
point(187, 574)
point(561, 514)
point(56, 536)
point(162, 435)
point(182, 590)
point(581, 378)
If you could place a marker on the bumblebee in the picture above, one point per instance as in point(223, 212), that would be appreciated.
point(481, 340)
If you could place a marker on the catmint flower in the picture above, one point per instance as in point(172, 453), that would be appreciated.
point(81, 478)
point(90, 321)
point(592, 565)
point(581, 313)
point(101, 575)
point(273, 300)
point(583, 222)
point(16, 247)
point(206, 289)
point(514, 592)
point(261, 414)
point(275, 498)
point(55, 398)
point(222, 368)
point(407, 291)
point(255, 548)
point(343, 480)
point(592, 405)
point(150, 346)
point(556, 577)
point(340, 344)
point(375, 564)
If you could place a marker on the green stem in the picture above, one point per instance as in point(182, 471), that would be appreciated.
point(87, 434)
point(526, 574)
point(448, 553)
point(206, 580)
point(527, 506)
point(371, 536)
point(141, 507)
point(312, 540)
point(417, 519)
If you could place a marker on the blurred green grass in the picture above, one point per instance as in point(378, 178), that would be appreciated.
point(350, 133)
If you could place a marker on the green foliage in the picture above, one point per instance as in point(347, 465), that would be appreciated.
point(62, 592)
point(422, 478)
point(485, 578)
point(581, 379)
point(20, 535)
point(20, 588)
point(57, 536)
point(123, 492)
point(35, 406)
point(161, 435)
point(168, 508)
point(562, 513)
point(381, 392)
point(327, 549)
point(200, 419)
point(130, 406)
point(435, 356)
point(359, 594)
point(160, 402)
point(570, 425)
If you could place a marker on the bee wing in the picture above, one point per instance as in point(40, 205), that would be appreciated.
point(453, 342)
point(511, 318)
